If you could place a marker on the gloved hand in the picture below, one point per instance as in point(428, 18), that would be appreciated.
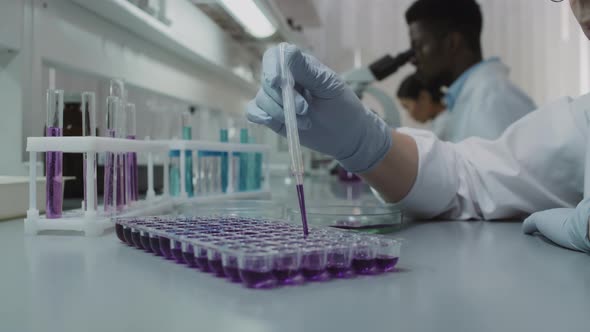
point(330, 117)
point(566, 227)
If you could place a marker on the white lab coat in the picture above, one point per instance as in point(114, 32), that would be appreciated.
point(439, 124)
point(487, 104)
point(537, 164)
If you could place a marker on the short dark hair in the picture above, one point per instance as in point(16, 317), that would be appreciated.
point(463, 16)
point(411, 87)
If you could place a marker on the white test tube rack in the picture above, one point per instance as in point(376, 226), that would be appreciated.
point(93, 222)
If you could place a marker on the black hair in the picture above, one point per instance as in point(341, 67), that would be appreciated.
point(462, 16)
point(411, 87)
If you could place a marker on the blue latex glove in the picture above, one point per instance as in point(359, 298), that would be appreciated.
point(566, 227)
point(330, 117)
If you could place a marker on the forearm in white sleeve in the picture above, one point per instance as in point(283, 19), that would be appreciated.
point(537, 164)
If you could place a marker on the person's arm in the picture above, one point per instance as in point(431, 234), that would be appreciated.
point(537, 164)
point(395, 175)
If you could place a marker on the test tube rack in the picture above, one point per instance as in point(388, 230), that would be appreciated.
point(94, 222)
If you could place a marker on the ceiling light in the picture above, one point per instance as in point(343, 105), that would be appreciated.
point(250, 16)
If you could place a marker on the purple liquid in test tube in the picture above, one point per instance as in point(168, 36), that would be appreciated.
point(54, 185)
point(53, 159)
point(120, 167)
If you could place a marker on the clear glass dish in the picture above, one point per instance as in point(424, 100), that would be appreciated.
point(240, 208)
point(370, 218)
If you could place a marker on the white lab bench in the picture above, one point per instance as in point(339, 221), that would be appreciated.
point(452, 276)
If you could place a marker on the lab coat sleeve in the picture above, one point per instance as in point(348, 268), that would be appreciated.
point(496, 106)
point(537, 164)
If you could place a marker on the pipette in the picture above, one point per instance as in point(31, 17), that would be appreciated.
point(288, 88)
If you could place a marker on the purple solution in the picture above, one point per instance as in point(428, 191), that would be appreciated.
point(120, 232)
point(201, 260)
point(145, 241)
point(109, 176)
point(314, 275)
point(340, 272)
point(232, 273)
point(178, 256)
point(155, 245)
point(363, 265)
point(287, 276)
point(301, 198)
point(54, 180)
point(120, 181)
point(216, 266)
point(165, 247)
point(189, 258)
point(386, 263)
point(128, 237)
point(136, 239)
point(257, 279)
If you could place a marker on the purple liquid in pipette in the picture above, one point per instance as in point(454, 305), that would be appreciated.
point(54, 180)
point(301, 198)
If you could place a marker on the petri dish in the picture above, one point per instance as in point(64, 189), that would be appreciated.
point(235, 208)
point(370, 218)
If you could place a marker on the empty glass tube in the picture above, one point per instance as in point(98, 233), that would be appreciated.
point(121, 197)
point(109, 167)
point(53, 159)
point(131, 157)
point(89, 129)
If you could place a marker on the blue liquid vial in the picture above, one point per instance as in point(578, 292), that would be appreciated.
point(174, 172)
point(224, 137)
point(243, 182)
point(187, 134)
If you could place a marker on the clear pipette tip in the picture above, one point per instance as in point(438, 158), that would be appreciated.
point(288, 88)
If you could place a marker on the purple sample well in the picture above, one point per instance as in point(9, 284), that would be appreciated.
point(127, 235)
point(119, 229)
point(216, 267)
point(136, 239)
point(165, 247)
point(155, 245)
point(257, 279)
point(232, 273)
point(386, 263)
point(364, 266)
point(145, 241)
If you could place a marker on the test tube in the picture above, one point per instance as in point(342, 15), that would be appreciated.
point(223, 137)
point(53, 159)
point(174, 172)
point(121, 119)
point(131, 166)
point(243, 184)
point(187, 134)
point(89, 129)
point(109, 167)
